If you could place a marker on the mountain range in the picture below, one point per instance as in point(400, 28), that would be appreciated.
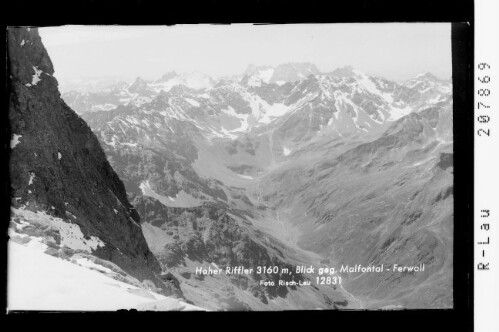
point(340, 167)
point(281, 166)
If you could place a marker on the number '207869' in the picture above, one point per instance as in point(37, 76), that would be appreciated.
point(483, 92)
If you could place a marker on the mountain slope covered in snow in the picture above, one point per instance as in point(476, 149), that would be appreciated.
point(38, 281)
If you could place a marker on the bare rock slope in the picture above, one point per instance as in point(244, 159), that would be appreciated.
point(58, 167)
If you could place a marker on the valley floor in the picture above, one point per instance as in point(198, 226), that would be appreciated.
point(289, 235)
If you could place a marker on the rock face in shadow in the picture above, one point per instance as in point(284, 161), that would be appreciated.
point(58, 166)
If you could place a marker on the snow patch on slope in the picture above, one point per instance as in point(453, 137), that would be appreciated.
point(182, 199)
point(31, 178)
point(192, 102)
point(37, 281)
point(266, 74)
point(397, 113)
point(103, 107)
point(71, 235)
point(15, 140)
point(36, 76)
point(242, 117)
point(274, 111)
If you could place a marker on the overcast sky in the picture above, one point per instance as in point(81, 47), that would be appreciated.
point(396, 51)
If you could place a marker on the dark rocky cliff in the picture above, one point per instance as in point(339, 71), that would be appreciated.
point(58, 166)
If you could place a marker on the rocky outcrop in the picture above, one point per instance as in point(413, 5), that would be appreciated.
point(210, 234)
point(58, 166)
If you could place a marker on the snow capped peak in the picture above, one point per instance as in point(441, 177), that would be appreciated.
point(254, 80)
point(300, 66)
point(140, 87)
point(287, 72)
point(426, 82)
point(258, 74)
point(139, 80)
point(179, 89)
point(342, 101)
point(347, 71)
point(197, 80)
point(252, 69)
point(168, 76)
point(193, 80)
point(138, 83)
point(291, 72)
point(426, 75)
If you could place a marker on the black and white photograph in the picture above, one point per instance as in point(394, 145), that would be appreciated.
point(235, 167)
